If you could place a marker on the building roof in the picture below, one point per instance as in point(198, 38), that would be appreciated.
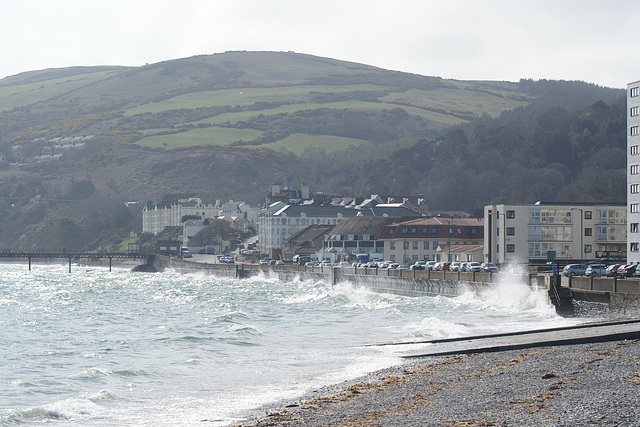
point(362, 225)
point(435, 228)
point(308, 240)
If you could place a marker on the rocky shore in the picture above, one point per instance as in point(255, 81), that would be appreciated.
point(574, 385)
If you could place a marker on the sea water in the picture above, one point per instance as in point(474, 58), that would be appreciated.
point(100, 348)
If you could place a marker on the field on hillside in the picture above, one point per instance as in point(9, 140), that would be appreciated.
point(299, 142)
point(21, 95)
point(245, 96)
point(199, 137)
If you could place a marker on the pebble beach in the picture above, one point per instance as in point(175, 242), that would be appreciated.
point(573, 385)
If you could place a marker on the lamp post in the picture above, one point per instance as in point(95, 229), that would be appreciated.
point(581, 231)
point(448, 237)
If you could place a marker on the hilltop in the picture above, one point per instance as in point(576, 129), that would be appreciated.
point(88, 139)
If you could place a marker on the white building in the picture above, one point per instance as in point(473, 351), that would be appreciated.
point(157, 216)
point(236, 210)
point(633, 170)
point(567, 232)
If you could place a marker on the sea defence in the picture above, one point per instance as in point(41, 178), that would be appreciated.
point(399, 282)
point(622, 295)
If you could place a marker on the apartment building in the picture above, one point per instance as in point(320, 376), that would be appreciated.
point(544, 231)
point(420, 239)
point(633, 170)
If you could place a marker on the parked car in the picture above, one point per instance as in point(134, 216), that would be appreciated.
point(279, 262)
point(574, 270)
point(473, 267)
point(626, 270)
point(596, 270)
point(265, 261)
point(612, 270)
point(455, 266)
point(488, 267)
point(444, 266)
point(429, 265)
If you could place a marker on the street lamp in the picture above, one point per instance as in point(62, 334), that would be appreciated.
point(449, 237)
point(581, 231)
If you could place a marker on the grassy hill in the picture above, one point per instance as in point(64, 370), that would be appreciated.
point(231, 89)
point(227, 125)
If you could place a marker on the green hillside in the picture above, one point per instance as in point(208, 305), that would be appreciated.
point(77, 143)
point(225, 89)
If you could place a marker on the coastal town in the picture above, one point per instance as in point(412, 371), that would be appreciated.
point(296, 224)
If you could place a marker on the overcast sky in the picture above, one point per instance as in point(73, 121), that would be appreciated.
point(590, 40)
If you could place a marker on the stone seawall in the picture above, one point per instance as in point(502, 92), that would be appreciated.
point(398, 282)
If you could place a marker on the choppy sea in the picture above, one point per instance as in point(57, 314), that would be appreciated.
point(100, 348)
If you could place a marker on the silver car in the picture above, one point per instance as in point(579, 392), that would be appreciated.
point(596, 270)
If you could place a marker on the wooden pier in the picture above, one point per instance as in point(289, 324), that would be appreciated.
point(29, 255)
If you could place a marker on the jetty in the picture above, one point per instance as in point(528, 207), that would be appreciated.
point(48, 255)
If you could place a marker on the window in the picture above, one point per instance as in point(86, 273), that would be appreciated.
point(587, 249)
point(634, 111)
point(633, 247)
point(435, 245)
point(414, 230)
point(635, 149)
point(635, 207)
point(392, 258)
point(511, 231)
point(458, 230)
point(404, 230)
point(588, 215)
point(634, 91)
point(635, 169)
point(511, 247)
point(392, 231)
point(633, 227)
point(588, 232)
point(634, 131)
point(425, 230)
point(415, 245)
point(497, 231)
point(392, 245)
point(405, 245)
point(434, 230)
point(511, 214)
point(634, 188)
point(425, 245)
point(414, 257)
point(474, 230)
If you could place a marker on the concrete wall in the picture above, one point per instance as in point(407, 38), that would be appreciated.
point(605, 284)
